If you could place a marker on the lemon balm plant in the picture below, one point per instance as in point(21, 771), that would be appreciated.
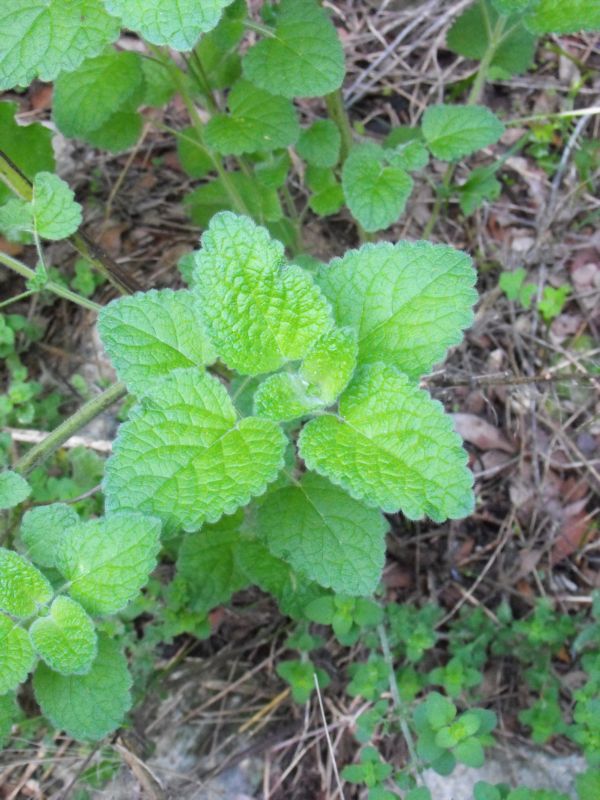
point(278, 413)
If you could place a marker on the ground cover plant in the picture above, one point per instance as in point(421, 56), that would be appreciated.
point(278, 413)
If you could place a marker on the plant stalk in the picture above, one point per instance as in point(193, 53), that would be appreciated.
point(337, 111)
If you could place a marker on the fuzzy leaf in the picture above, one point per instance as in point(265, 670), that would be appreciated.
point(186, 458)
point(258, 121)
point(28, 146)
point(564, 16)
point(150, 334)
point(411, 156)
point(56, 215)
point(16, 655)
point(329, 364)
point(42, 37)
point(176, 23)
point(259, 312)
point(66, 638)
point(320, 144)
point(407, 302)
point(376, 193)
point(23, 588)
point(43, 529)
point(284, 397)
point(87, 706)
point(455, 131)
point(303, 58)
point(13, 489)
point(325, 534)
point(108, 560)
point(393, 447)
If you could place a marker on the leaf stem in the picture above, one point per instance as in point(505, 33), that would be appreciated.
point(93, 408)
point(52, 286)
point(578, 112)
point(260, 28)
point(337, 111)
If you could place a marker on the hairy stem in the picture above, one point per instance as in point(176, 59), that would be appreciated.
point(93, 408)
point(337, 111)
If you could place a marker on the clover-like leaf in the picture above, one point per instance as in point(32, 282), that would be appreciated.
point(407, 302)
point(259, 312)
point(564, 16)
point(87, 706)
point(375, 191)
point(176, 23)
point(42, 37)
point(302, 58)
point(325, 534)
point(23, 588)
point(258, 121)
point(320, 144)
point(16, 655)
point(185, 457)
point(393, 447)
point(152, 333)
point(452, 132)
point(66, 638)
point(91, 101)
point(55, 213)
point(13, 489)
point(107, 561)
point(43, 529)
point(28, 146)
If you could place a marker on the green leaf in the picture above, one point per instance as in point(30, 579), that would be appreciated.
point(481, 185)
point(393, 447)
point(9, 713)
point(329, 364)
point(87, 706)
point(27, 146)
point(207, 564)
point(301, 677)
point(439, 710)
point(376, 194)
point(284, 397)
point(23, 588)
point(303, 57)
point(564, 16)
point(470, 752)
point(210, 198)
point(66, 638)
point(43, 529)
point(469, 36)
point(408, 303)
point(121, 131)
point(588, 785)
point(411, 156)
point(13, 489)
point(186, 458)
point(43, 37)
point(159, 86)
point(328, 195)
point(98, 97)
point(218, 50)
point(150, 334)
point(108, 560)
point(259, 312)
point(176, 23)
point(16, 221)
point(455, 131)
point(325, 534)
point(273, 171)
point(16, 655)
point(320, 144)
point(56, 215)
point(258, 121)
point(193, 154)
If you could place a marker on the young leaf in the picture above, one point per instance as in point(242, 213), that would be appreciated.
point(407, 302)
point(22, 587)
point(411, 156)
point(258, 121)
point(376, 194)
point(186, 458)
point(325, 534)
point(28, 146)
point(16, 655)
point(329, 364)
point(207, 564)
point(320, 144)
point(301, 677)
point(108, 560)
point(87, 706)
point(55, 213)
point(210, 198)
point(101, 90)
point(217, 51)
point(481, 185)
point(284, 397)
point(66, 638)
point(564, 16)
point(455, 131)
point(393, 447)
point(273, 171)
point(175, 23)
point(150, 334)
point(259, 312)
point(303, 57)
point(43, 37)
point(328, 196)
point(13, 489)
point(193, 154)
point(43, 529)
